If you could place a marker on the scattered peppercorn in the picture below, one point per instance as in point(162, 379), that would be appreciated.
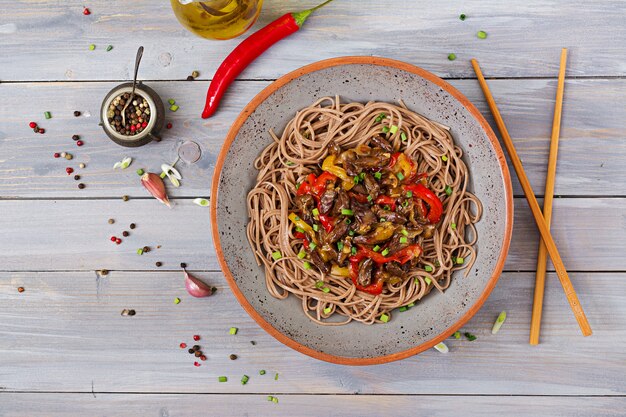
point(189, 78)
point(191, 351)
point(146, 249)
point(69, 170)
point(113, 238)
point(132, 225)
point(56, 155)
point(195, 348)
point(104, 272)
point(36, 129)
point(183, 345)
point(125, 233)
point(111, 221)
point(196, 337)
point(195, 74)
point(125, 197)
point(76, 177)
point(81, 165)
point(20, 289)
point(202, 358)
point(68, 156)
point(118, 240)
point(131, 312)
point(196, 364)
point(158, 264)
point(32, 125)
point(75, 137)
point(76, 113)
point(86, 11)
point(63, 154)
point(169, 125)
point(253, 343)
point(42, 131)
point(233, 357)
point(183, 265)
point(81, 185)
point(79, 143)
point(198, 354)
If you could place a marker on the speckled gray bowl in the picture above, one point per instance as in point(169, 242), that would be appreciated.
point(362, 79)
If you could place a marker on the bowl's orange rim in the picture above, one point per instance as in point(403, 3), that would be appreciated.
point(384, 62)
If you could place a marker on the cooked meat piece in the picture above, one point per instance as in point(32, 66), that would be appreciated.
point(345, 253)
point(318, 262)
point(393, 268)
point(388, 215)
point(365, 218)
point(382, 143)
point(365, 272)
point(333, 148)
point(372, 187)
point(351, 169)
point(340, 229)
point(381, 233)
point(429, 230)
point(327, 200)
point(371, 162)
point(395, 245)
point(359, 189)
point(327, 252)
point(304, 203)
point(342, 202)
point(389, 180)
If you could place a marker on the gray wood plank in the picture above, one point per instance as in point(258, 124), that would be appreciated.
point(591, 149)
point(53, 235)
point(524, 38)
point(65, 333)
point(163, 405)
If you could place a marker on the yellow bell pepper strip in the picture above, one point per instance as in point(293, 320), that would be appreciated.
point(400, 163)
point(329, 166)
point(339, 271)
point(302, 225)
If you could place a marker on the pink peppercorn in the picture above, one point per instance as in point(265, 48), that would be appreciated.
point(196, 364)
point(42, 131)
point(113, 238)
point(69, 170)
point(183, 345)
point(118, 240)
point(57, 155)
point(32, 125)
point(86, 11)
point(79, 143)
point(202, 358)
point(196, 337)
point(169, 126)
point(144, 124)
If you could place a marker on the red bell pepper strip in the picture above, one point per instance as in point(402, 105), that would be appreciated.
point(305, 241)
point(306, 186)
point(320, 183)
point(375, 288)
point(402, 256)
point(328, 223)
point(436, 207)
point(361, 198)
point(248, 50)
point(385, 200)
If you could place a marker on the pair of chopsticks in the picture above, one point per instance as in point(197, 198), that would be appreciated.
point(542, 219)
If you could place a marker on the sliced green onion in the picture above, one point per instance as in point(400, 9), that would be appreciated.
point(470, 336)
point(339, 245)
point(384, 318)
point(351, 232)
point(427, 280)
point(460, 261)
point(385, 252)
point(270, 398)
point(275, 400)
point(378, 175)
point(92, 47)
point(400, 176)
point(428, 268)
point(410, 305)
point(457, 334)
point(451, 57)
point(386, 207)
point(244, 379)
point(362, 175)
point(306, 265)
point(171, 101)
point(312, 245)
point(393, 129)
point(403, 308)
point(277, 255)
point(299, 229)
point(316, 227)
point(276, 377)
point(176, 300)
point(203, 202)
point(385, 129)
point(404, 232)
point(347, 212)
point(441, 347)
point(47, 115)
point(376, 248)
point(481, 34)
point(326, 290)
point(356, 179)
point(444, 158)
point(233, 330)
point(174, 107)
point(405, 204)
point(462, 16)
point(409, 194)
point(319, 284)
point(328, 310)
point(297, 218)
point(380, 117)
point(262, 372)
point(353, 250)
point(403, 239)
point(453, 226)
point(289, 163)
point(109, 48)
point(382, 220)
point(403, 136)
point(298, 185)
point(222, 379)
point(369, 198)
point(315, 212)
point(437, 264)
point(348, 221)
point(140, 251)
point(448, 190)
point(301, 254)
point(499, 321)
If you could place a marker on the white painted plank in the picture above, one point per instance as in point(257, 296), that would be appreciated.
point(524, 38)
point(591, 149)
point(65, 333)
point(180, 405)
point(53, 235)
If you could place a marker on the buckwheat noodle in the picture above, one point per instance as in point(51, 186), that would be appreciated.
point(300, 149)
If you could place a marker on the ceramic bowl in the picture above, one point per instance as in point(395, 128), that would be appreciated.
point(361, 79)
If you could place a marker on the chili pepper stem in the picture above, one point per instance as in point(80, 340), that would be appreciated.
point(300, 17)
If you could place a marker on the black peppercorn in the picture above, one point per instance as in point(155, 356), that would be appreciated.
point(198, 354)
point(132, 225)
point(191, 351)
point(159, 264)
point(190, 78)
point(183, 265)
point(75, 137)
point(125, 233)
point(76, 113)
point(146, 249)
point(233, 357)
point(125, 197)
point(81, 185)
point(131, 312)
point(76, 177)
point(195, 348)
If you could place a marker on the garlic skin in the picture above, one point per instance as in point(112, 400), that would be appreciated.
point(155, 186)
point(195, 287)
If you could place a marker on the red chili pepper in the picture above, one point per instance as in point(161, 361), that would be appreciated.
point(248, 50)
point(375, 288)
point(328, 223)
point(436, 208)
point(305, 241)
point(385, 200)
point(394, 159)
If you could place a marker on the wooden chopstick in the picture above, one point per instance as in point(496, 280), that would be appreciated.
point(540, 277)
point(534, 207)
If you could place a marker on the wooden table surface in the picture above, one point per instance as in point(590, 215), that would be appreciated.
point(65, 350)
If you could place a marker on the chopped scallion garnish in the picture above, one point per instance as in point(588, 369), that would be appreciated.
point(339, 245)
point(481, 34)
point(326, 290)
point(400, 176)
point(327, 310)
point(428, 268)
point(299, 229)
point(384, 318)
point(276, 377)
point(275, 399)
point(403, 308)
point(312, 245)
point(409, 194)
point(222, 379)
point(244, 379)
point(386, 207)
point(444, 158)
point(499, 321)
point(351, 232)
point(405, 204)
point(347, 212)
point(277, 255)
point(316, 227)
point(378, 175)
point(393, 129)
point(233, 330)
point(460, 261)
point(315, 212)
point(319, 284)
point(362, 175)
point(462, 16)
point(380, 117)
point(470, 336)
point(448, 190)
point(306, 265)
point(453, 226)
point(289, 163)
point(410, 305)
point(441, 347)
point(353, 250)
point(427, 280)
point(301, 254)
point(457, 334)
point(404, 232)
point(403, 239)
point(348, 221)
point(452, 56)
point(376, 248)
point(385, 129)
point(403, 136)
point(385, 252)
point(369, 198)
point(262, 372)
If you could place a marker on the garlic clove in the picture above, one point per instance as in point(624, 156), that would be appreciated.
point(155, 186)
point(196, 287)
